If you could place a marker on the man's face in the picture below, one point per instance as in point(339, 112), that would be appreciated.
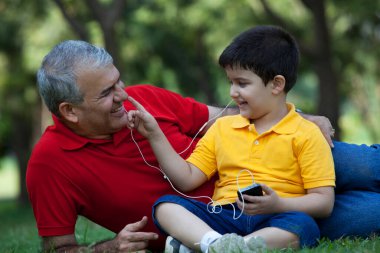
point(102, 113)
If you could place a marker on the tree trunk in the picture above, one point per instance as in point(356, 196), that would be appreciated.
point(328, 102)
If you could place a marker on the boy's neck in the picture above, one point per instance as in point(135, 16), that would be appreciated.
point(268, 120)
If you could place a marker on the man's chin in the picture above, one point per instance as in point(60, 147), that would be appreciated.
point(120, 124)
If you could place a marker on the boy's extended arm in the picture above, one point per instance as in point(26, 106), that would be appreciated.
point(184, 176)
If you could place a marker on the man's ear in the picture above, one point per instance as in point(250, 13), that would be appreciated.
point(278, 84)
point(67, 112)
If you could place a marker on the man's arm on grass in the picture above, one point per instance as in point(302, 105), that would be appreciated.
point(129, 239)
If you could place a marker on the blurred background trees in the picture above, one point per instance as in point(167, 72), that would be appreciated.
point(176, 44)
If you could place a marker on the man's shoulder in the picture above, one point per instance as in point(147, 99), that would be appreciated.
point(150, 91)
point(48, 144)
point(137, 88)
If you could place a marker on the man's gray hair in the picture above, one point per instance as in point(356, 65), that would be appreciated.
point(57, 76)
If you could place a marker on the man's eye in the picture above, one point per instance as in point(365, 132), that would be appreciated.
point(106, 93)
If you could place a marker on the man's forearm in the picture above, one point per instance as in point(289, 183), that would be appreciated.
point(70, 249)
point(99, 247)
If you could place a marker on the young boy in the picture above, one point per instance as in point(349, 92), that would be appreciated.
point(285, 153)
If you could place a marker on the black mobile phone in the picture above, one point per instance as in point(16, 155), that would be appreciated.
point(252, 190)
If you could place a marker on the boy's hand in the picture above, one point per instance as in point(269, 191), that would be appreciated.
point(141, 120)
point(267, 204)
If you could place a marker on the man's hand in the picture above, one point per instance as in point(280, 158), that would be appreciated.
point(130, 239)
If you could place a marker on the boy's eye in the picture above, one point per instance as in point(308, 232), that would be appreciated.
point(239, 83)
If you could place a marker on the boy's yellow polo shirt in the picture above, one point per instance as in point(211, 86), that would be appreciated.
point(290, 157)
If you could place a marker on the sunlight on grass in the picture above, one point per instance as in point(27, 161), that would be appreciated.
point(88, 232)
point(9, 178)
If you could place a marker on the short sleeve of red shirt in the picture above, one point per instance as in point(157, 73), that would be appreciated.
point(49, 191)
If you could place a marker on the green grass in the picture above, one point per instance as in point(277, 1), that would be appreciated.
point(18, 234)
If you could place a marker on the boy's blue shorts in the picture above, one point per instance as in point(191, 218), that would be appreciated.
point(223, 222)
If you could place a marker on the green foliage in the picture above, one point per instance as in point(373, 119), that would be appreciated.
point(176, 45)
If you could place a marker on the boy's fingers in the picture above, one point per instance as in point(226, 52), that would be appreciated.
point(136, 104)
point(266, 189)
point(130, 116)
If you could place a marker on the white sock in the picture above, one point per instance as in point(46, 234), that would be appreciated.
point(184, 249)
point(207, 239)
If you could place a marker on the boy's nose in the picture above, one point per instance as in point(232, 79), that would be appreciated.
point(233, 92)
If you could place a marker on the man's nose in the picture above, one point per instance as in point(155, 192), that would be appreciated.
point(120, 94)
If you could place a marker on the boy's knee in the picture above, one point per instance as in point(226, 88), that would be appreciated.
point(164, 209)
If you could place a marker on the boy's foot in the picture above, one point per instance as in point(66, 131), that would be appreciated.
point(172, 245)
point(234, 243)
point(231, 243)
point(256, 244)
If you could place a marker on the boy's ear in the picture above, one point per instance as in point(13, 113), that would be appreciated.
point(278, 84)
point(67, 112)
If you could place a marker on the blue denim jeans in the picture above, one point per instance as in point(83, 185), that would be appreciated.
point(223, 221)
point(357, 201)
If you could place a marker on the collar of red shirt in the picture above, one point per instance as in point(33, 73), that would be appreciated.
point(69, 140)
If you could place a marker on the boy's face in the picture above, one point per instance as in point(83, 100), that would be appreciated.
point(249, 92)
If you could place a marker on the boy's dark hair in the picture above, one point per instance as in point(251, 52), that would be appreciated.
point(267, 51)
